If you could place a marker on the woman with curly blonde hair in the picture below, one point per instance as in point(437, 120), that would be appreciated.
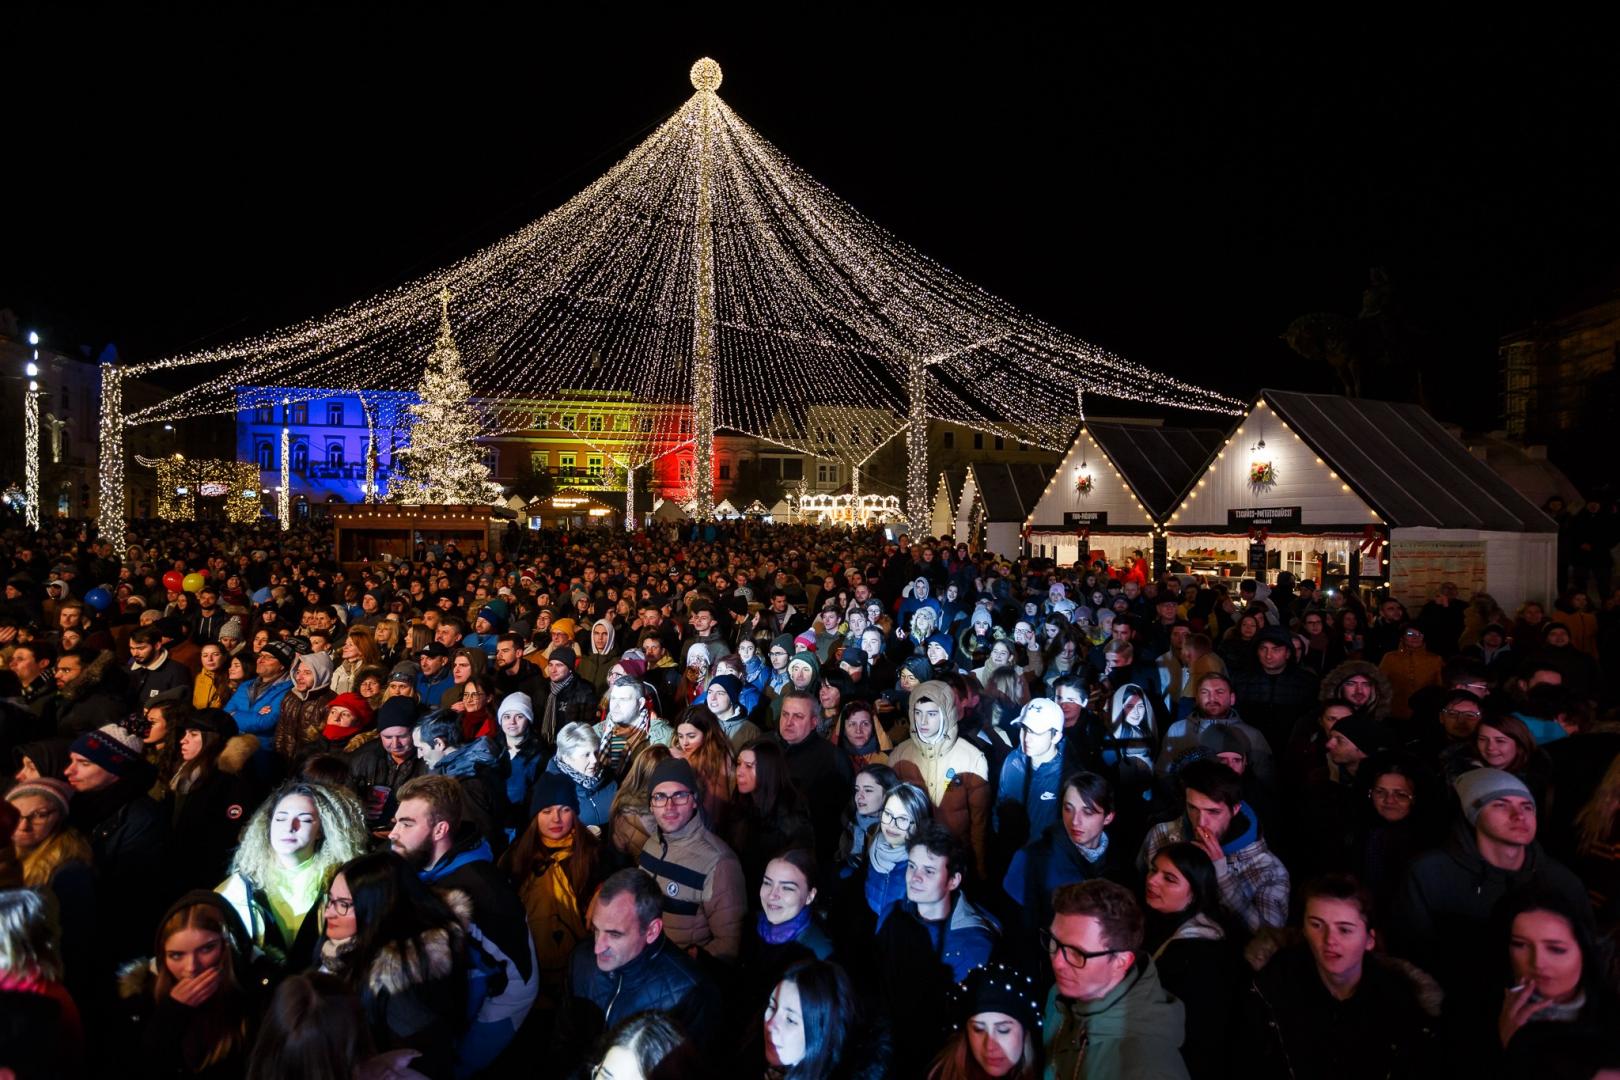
point(290, 849)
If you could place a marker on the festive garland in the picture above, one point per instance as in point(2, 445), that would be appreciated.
point(1082, 484)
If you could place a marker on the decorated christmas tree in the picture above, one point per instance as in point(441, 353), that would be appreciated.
point(441, 464)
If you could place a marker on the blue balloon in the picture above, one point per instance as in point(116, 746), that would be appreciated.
point(100, 599)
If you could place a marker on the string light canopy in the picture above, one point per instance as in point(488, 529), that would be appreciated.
point(705, 268)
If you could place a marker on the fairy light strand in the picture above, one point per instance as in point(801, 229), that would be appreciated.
point(706, 268)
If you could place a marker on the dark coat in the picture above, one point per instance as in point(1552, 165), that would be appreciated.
point(97, 697)
point(207, 820)
point(662, 978)
point(824, 778)
point(1273, 703)
point(375, 777)
point(1297, 1029)
point(127, 831)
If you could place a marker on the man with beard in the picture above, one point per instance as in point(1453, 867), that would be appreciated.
point(503, 972)
point(1215, 704)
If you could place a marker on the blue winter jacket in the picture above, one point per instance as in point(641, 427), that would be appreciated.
point(884, 891)
point(503, 972)
point(257, 714)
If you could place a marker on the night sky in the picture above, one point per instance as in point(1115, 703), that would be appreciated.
point(1175, 192)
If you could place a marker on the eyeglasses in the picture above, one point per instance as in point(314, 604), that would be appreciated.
point(679, 798)
point(40, 817)
point(899, 821)
point(1388, 795)
point(1074, 956)
point(340, 904)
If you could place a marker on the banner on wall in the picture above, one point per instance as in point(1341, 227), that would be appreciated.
point(1419, 567)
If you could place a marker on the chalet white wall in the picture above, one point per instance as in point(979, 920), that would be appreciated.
point(1518, 566)
point(1109, 492)
point(1303, 480)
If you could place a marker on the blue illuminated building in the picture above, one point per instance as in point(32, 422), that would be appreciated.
point(328, 434)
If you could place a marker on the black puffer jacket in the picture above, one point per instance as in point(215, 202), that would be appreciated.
point(661, 978)
point(375, 777)
point(1297, 1029)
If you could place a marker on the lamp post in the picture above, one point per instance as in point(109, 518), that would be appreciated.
point(31, 434)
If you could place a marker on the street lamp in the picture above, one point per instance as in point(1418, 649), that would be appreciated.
point(31, 433)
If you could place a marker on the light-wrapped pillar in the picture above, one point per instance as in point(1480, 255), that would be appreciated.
point(110, 503)
point(917, 509)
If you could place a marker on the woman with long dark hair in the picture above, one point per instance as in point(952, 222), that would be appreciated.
point(401, 947)
point(555, 865)
point(810, 1027)
point(210, 779)
point(767, 814)
point(195, 999)
point(1186, 938)
point(1560, 1016)
point(786, 930)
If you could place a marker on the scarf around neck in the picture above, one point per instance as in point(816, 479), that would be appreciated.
point(1093, 855)
point(780, 934)
point(588, 783)
point(886, 856)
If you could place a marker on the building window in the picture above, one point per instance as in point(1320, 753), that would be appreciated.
point(950, 440)
point(596, 423)
point(725, 472)
point(265, 455)
point(978, 440)
point(539, 460)
point(565, 463)
point(67, 397)
point(264, 414)
point(646, 423)
point(792, 468)
point(1001, 444)
point(826, 474)
point(300, 412)
point(491, 457)
point(300, 457)
point(334, 414)
point(593, 462)
point(334, 455)
point(568, 422)
point(1022, 446)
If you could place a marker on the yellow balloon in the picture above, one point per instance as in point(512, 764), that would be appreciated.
point(193, 582)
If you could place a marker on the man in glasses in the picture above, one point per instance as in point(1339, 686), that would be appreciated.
point(1107, 1014)
point(699, 877)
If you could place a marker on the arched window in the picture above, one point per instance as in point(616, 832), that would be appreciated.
point(266, 456)
point(334, 455)
point(300, 457)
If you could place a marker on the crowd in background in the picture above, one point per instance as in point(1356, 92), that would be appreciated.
point(792, 802)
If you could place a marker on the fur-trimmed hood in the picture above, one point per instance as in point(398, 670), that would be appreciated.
point(103, 668)
point(239, 750)
point(1336, 678)
point(400, 966)
point(1270, 943)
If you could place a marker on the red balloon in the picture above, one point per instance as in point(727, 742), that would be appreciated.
point(173, 580)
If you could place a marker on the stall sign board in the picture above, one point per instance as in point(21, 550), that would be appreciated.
point(213, 488)
point(1262, 517)
point(1419, 567)
point(1095, 518)
point(1257, 561)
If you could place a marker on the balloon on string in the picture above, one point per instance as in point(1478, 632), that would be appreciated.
point(174, 581)
point(193, 581)
point(100, 599)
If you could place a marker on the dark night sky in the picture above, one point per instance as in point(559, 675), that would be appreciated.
point(1173, 191)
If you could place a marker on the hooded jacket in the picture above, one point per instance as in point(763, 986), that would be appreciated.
point(413, 992)
point(208, 818)
point(303, 712)
point(1134, 1032)
point(953, 772)
point(93, 698)
point(917, 964)
point(595, 667)
point(505, 975)
point(482, 788)
point(1253, 882)
point(1027, 798)
point(1333, 680)
point(1053, 860)
point(1446, 907)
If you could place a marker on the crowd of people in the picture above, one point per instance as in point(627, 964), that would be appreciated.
point(790, 802)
